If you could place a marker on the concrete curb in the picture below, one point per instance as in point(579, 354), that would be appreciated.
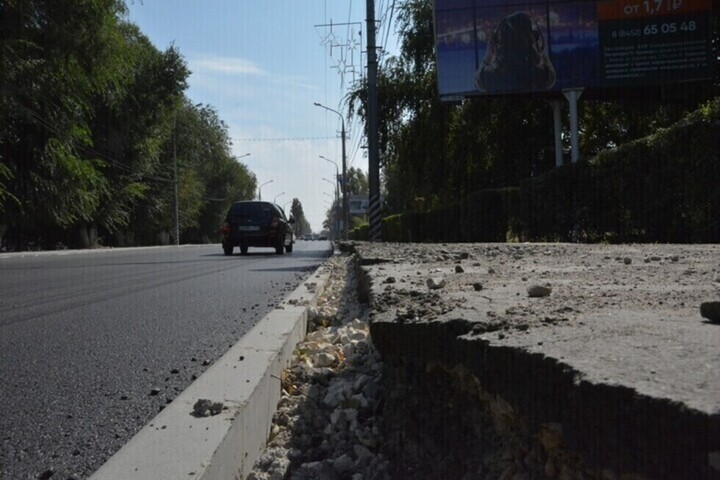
point(177, 444)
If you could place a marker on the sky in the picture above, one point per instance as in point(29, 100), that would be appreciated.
point(262, 64)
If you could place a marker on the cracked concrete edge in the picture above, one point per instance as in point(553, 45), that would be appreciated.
point(247, 379)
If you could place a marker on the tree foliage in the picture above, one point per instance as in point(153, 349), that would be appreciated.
point(357, 182)
point(132, 131)
point(203, 148)
point(56, 57)
point(302, 226)
point(92, 120)
point(435, 153)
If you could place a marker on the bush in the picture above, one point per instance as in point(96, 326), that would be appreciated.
point(662, 188)
point(361, 232)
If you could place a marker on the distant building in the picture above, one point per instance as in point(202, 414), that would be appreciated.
point(358, 205)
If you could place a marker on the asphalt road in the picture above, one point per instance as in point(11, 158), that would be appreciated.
point(94, 343)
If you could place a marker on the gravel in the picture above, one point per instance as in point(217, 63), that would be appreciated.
point(328, 421)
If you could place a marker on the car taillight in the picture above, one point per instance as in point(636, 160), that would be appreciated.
point(225, 228)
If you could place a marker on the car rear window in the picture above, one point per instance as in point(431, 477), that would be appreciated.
point(257, 211)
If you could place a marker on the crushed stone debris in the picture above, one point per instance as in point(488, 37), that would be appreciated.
point(328, 421)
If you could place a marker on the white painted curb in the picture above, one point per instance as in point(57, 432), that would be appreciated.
point(178, 445)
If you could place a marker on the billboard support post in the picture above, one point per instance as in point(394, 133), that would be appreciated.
point(556, 106)
point(573, 95)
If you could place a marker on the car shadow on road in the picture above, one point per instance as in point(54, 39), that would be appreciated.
point(315, 254)
point(299, 268)
point(240, 255)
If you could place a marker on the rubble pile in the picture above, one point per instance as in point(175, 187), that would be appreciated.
point(346, 415)
point(503, 362)
point(327, 424)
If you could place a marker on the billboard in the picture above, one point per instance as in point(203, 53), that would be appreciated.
point(489, 47)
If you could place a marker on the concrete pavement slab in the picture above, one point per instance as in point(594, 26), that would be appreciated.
point(614, 350)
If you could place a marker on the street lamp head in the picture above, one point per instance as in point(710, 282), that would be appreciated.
point(328, 160)
point(332, 110)
point(260, 189)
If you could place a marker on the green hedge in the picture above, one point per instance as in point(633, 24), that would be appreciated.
point(662, 188)
point(359, 233)
point(482, 218)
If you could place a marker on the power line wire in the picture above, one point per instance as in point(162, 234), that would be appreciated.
point(387, 30)
point(277, 139)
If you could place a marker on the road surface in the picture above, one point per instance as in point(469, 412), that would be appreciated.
point(94, 343)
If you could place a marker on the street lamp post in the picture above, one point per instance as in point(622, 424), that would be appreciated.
point(337, 194)
point(336, 204)
point(260, 189)
point(284, 207)
point(337, 173)
point(333, 184)
point(344, 168)
point(337, 191)
point(333, 205)
point(277, 196)
point(243, 156)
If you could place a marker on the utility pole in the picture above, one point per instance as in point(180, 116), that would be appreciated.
point(373, 151)
point(346, 194)
point(177, 202)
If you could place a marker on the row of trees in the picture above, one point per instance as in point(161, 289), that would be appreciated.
point(302, 226)
point(434, 153)
point(93, 120)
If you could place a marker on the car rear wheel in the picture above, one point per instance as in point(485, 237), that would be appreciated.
point(227, 249)
point(243, 249)
point(288, 248)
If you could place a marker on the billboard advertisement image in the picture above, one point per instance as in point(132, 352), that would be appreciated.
point(488, 47)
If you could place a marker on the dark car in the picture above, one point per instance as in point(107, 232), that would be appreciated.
point(257, 224)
